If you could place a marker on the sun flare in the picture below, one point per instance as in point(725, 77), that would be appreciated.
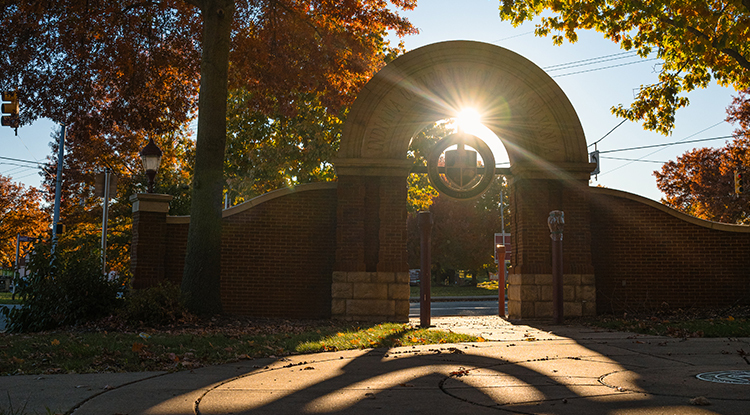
point(469, 119)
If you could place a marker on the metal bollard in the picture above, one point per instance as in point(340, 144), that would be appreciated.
point(425, 279)
point(556, 223)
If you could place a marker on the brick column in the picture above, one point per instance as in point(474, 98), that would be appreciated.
point(147, 250)
point(371, 274)
point(534, 193)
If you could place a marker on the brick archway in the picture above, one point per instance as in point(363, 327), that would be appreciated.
point(549, 165)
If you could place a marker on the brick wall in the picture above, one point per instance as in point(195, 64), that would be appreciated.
point(277, 253)
point(647, 256)
point(147, 251)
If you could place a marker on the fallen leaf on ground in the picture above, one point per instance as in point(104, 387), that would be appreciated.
point(700, 401)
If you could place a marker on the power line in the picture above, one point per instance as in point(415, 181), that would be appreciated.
point(512, 37)
point(626, 159)
point(590, 61)
point(19, 160)
point(605, 67)
point(668, 144)
point(656, 151)
point(26, 166)
point(24, 176)
point(605, 135)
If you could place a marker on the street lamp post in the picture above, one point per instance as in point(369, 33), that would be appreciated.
point(151, 158)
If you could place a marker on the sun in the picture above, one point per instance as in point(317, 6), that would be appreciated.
point(468, 120)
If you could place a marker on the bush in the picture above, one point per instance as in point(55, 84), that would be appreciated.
point(66, 288)
point(154, 306)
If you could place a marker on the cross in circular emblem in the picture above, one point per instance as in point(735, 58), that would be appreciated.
point(456, 173)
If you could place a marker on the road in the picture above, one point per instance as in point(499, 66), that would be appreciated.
point(458, 308)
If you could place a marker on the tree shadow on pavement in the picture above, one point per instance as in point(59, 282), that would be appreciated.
point(587, 375)
point(581, 371)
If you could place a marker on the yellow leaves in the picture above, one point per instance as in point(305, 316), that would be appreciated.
point(730, 318)
point(55, 342)
point(137, 347)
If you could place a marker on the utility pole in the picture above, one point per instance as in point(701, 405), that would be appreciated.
point(105, 217)
point(58, 187)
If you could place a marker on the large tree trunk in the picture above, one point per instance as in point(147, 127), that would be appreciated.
point(200, 281)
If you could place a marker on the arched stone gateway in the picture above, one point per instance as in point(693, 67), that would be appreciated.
point(550, 171)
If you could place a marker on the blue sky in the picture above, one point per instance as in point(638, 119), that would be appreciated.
point(592, 91)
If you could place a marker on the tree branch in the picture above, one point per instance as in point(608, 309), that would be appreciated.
point(732, 53)
point(198, 4)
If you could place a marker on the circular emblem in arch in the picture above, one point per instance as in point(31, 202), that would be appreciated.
point(456, 172)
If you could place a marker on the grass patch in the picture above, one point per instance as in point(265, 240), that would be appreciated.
point(455, 291)
point(179, 349)
point(383, 335)
point(5, 298)
point(705, 323)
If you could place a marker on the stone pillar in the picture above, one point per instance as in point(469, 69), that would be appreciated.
point(536, 191)
point(147, 248)
point(371, 273)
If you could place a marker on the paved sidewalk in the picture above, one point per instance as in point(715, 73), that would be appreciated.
point(519, 369)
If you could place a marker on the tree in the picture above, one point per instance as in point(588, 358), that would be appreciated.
point(268, 152)
point(701, 181)
point(698, 41)
point(325, 47)
point(462, 235)
point(81, 209)
point(98, 65)
point(20, 213)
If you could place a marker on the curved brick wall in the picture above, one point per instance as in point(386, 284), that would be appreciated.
point(648, 256)
point(278, 252)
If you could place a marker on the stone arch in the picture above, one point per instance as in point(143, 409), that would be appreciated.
point(518, 101)
point(537, 124)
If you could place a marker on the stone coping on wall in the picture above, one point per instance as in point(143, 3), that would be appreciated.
point(150, 202)
point(726, 227)
point(372, 167)
point(261, 199)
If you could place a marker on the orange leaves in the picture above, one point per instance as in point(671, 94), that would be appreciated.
point(460, 372)
point(700, 183)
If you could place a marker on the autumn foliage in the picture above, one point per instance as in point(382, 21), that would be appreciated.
point(701, 181)
point(698, 42)
point(20, 213)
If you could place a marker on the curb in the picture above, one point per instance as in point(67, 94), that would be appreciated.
point(445, 299)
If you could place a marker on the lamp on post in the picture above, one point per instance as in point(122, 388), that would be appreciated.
point(151, 158)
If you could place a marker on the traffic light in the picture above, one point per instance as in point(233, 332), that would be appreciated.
point(10, 110)
point(739, 182)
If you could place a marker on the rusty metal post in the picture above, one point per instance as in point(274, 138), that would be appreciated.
point(501, 278)
point(556, 222)
point(425, 279)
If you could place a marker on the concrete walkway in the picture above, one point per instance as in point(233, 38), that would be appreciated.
point(519, 369)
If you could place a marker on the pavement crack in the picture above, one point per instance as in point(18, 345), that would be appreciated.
point(102, 392)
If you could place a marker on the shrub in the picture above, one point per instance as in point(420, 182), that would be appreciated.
point(65, 288)
point(154, 306)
